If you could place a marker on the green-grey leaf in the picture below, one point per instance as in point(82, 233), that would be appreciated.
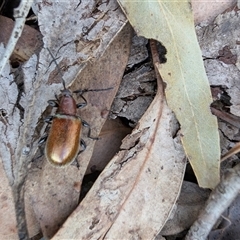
point(188, 92)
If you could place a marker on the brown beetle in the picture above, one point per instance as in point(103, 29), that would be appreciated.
point(64, 138)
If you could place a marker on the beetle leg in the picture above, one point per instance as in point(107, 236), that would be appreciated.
point(85, 124)
point(42, 139)
point(81, 92)
point(39, 154)
point(53, 103)
point(82, 105)
point(45, 136)
point(83, 146)
point(49, 119)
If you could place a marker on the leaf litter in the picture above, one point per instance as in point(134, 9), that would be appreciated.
point(136, 231)
point(130, 145)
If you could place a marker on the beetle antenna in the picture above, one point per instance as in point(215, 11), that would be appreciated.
point(92, 90)
point(59, 70)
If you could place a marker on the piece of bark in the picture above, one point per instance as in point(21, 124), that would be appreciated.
point(222, 70)
point(135, 94)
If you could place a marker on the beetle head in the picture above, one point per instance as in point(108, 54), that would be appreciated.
point(66, 93)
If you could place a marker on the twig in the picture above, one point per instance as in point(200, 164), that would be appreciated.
point(20, 14)
point(233, 120)
point(234, 150)
point(229, 118)
point(221, 197)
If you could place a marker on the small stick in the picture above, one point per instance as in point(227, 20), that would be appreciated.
point(234, 150)
point(233, 120)
point(229, 118)
point(219, 200)
point(20, 14)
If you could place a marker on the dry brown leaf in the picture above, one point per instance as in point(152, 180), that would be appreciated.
point(28, 44)
point(111, 136)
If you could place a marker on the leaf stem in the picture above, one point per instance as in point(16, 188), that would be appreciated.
point(18, 195)
point(156, 61)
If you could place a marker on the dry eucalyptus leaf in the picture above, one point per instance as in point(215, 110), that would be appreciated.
point(17, 127)
point(10, 119)
point(80, 30)
point(20, 130)
point(130, 197)
point(188, 92)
